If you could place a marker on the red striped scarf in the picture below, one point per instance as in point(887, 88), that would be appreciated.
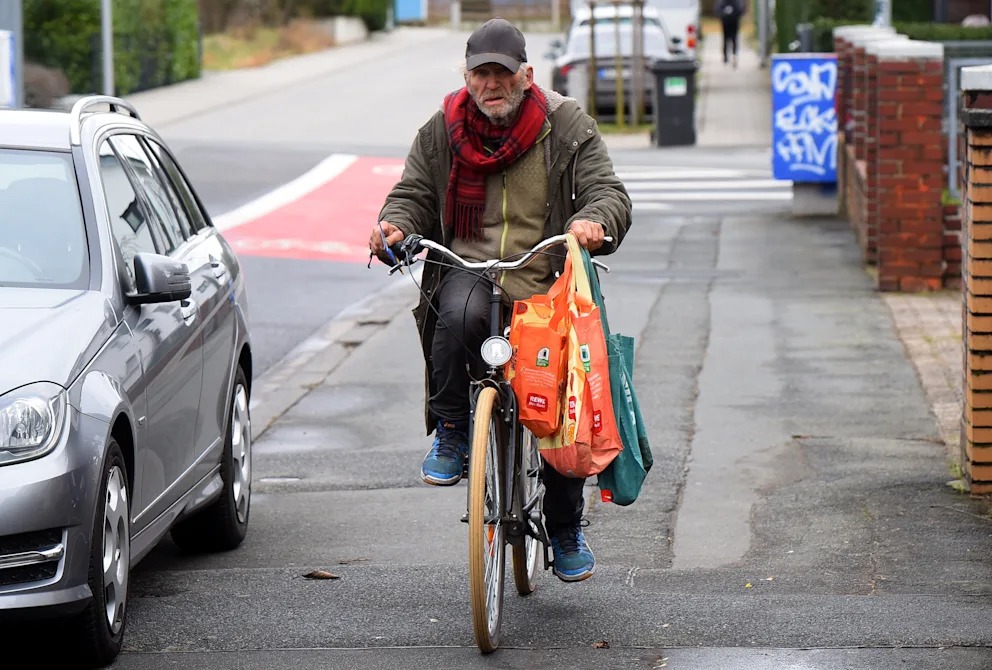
point(469, 130)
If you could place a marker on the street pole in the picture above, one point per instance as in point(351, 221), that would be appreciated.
point(762, 18)
point(637, 73)
point(12, 22)
point(592, 58)
point(107, 30)
point(555, 15)
point(618, 66)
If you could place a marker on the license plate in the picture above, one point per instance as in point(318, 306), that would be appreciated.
point(610, 73)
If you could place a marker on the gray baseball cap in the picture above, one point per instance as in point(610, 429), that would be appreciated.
point(496, 41)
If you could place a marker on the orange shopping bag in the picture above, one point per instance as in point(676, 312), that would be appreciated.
point(588, 439)
point(536, 371)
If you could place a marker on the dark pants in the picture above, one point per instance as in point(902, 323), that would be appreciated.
point(462, 326)
point(730, 26)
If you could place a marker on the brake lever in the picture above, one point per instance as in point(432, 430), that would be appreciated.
point(601, 265)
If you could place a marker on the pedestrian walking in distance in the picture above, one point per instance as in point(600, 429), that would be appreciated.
point(730, 12)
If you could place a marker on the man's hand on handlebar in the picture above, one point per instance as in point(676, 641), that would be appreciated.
point(384, 235)
point(588, 234)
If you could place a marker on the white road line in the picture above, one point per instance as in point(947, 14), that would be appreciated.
point(713, 195)
point(323, 172)
point(633, 186)
point(627, 172)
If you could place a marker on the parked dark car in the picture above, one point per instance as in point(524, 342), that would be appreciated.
point(125, 368)
point(571, 57)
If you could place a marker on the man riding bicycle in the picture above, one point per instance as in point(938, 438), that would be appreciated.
point(503, 165)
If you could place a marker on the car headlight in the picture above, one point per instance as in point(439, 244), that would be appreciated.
point(31, 421)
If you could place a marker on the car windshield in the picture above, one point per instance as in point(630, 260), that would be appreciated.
point(42, 241)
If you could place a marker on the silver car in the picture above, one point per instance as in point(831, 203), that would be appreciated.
point(125, 367)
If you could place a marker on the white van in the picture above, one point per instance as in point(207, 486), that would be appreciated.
point(681, 18)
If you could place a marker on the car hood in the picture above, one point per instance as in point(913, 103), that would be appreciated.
point(50, 334)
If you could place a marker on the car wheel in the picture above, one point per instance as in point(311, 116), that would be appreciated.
point(100, 628)
point(223, 525)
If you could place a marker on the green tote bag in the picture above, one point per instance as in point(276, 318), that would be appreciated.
point(621, 481)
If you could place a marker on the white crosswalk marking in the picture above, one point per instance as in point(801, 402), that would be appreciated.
point(661, 189)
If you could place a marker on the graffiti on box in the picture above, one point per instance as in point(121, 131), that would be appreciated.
point(804, 122)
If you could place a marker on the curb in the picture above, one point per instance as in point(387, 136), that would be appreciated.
point(312, 361)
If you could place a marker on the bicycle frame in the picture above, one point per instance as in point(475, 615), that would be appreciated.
point(515, 513)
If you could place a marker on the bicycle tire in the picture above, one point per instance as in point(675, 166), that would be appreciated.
point(486, 541)
point(526, 556)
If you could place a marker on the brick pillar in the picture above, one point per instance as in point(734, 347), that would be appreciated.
point(860, 74)
point(844, 48)
point(860, 89)
point(909, 166)
point(869, 144)
point(976, 198)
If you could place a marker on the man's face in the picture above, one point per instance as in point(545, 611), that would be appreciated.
point(497, 91)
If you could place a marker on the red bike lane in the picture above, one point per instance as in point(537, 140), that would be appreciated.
point(330, 222)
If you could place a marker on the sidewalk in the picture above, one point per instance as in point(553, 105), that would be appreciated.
point(734, 109)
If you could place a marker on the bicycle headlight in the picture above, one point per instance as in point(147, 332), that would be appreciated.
point(31, 421)
point(496, 351)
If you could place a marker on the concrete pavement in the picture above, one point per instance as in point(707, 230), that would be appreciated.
point(803, 426)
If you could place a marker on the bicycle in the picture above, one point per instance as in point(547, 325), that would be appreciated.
point(505, 489)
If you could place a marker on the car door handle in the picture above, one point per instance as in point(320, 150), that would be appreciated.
point(220, 270)
point(188, 310)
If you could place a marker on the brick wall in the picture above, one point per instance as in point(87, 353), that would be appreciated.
point(976, 198)
point(890, 90)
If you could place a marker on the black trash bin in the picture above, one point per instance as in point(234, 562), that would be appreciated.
point(675, 102)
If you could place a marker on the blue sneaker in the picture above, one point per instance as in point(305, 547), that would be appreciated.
point(573, 560)
point(445, 462)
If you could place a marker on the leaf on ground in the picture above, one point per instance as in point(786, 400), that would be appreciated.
point(321, 574)
point(602, 644)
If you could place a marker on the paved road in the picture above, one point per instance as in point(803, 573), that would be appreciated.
point(797, 515)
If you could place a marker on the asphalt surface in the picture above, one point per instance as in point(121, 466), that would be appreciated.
point(797, 516)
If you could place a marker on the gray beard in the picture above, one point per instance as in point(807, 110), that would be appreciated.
point(512, 105)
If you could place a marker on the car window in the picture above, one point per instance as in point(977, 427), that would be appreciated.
point(130, 150)
point(655, 41)
point(196, 215)
point(167, 187)
point(128, 221)
point(42, 234)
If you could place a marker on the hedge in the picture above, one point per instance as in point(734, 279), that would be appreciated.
point(156, 42)
point(788, 13)
point(823, 40)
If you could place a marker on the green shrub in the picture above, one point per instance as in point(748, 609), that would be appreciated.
point(788, 13)
point(156, 42)
point(371, 12)
point(928, 32)
point(905, 11)
point(943, 32)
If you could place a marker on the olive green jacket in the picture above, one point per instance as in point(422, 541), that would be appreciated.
point(581, 185)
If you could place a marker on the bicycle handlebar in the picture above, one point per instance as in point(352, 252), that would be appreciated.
point(410, 246)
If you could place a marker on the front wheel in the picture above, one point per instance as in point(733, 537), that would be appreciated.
point(527, 555)
point(486, 533)
point(100, 628)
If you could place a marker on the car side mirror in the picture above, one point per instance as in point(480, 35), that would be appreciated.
point(556, 46)
point(159, 279)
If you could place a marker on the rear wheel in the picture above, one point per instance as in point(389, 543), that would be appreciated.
point(527, 555)
point(486, 533)
point(100, 628)
point(223, 525)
